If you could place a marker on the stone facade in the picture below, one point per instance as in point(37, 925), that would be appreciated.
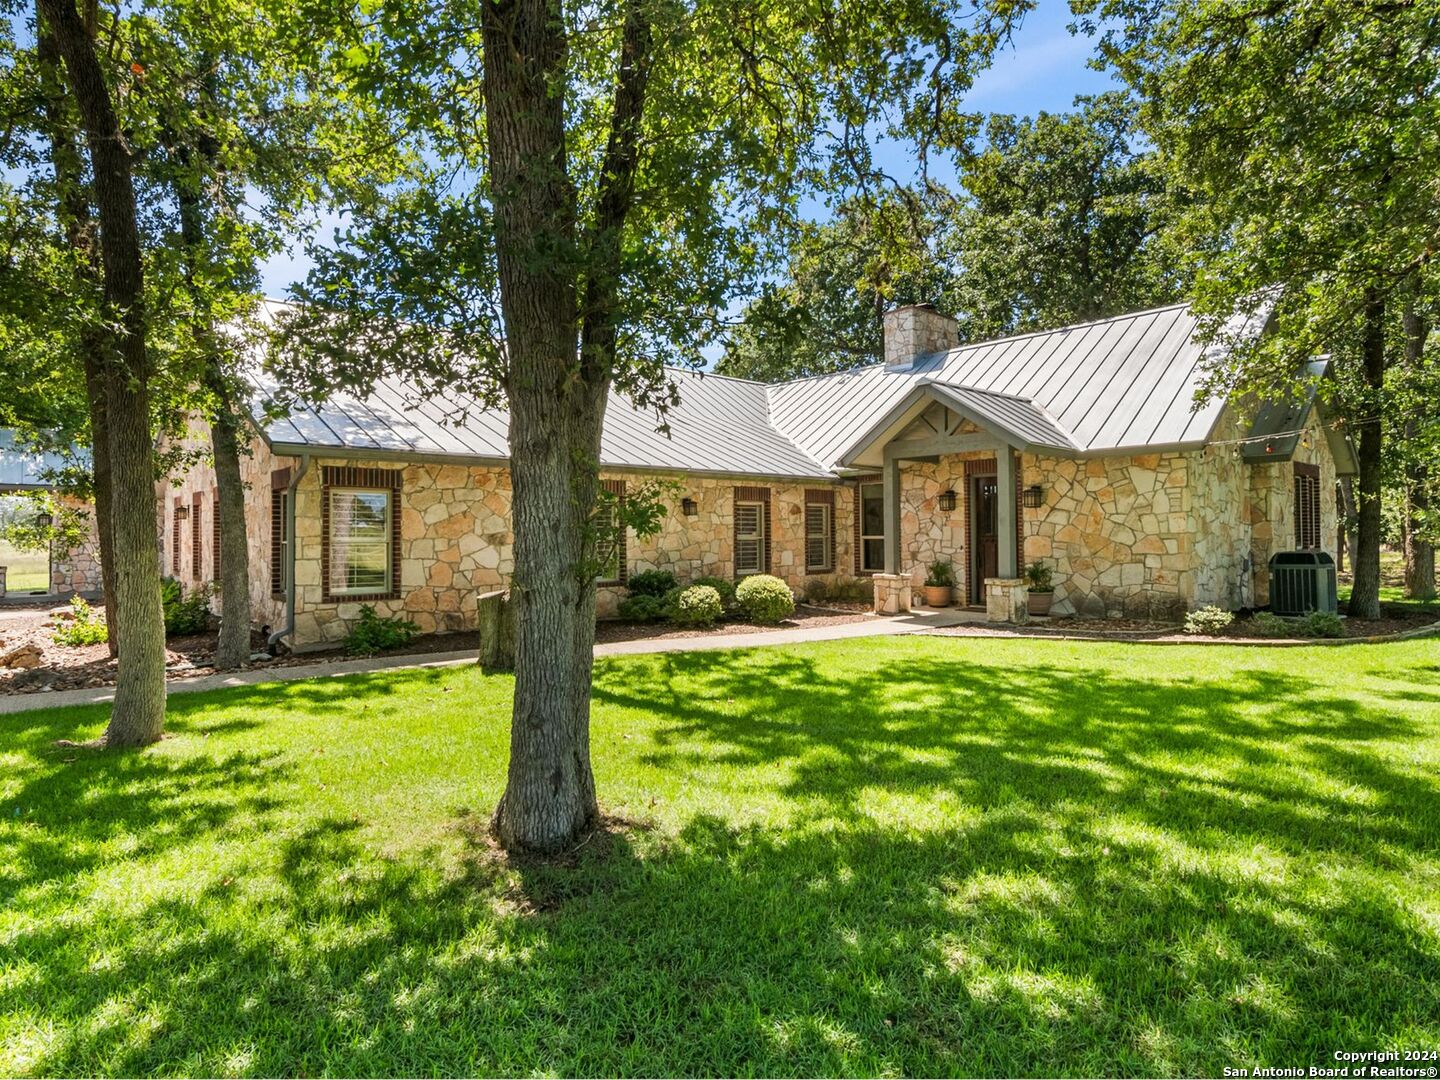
point(917, 330)
point(1007, 600)
point(76, 569)
point(1137, 535)
point(1270, 505)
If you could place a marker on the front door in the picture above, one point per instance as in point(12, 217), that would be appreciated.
point(985, 535)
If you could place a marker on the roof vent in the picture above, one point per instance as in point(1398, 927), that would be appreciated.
point(914, 331)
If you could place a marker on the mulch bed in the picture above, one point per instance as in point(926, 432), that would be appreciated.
point(1394, 621)
point(807, 617)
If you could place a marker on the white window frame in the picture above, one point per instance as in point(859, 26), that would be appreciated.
point(864, 536)
point(825, 537)
point(365, 590)
point(758, 538)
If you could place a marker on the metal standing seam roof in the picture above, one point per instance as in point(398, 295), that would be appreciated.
point(1126, 383)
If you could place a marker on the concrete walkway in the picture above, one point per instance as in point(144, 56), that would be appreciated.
point(913, 623)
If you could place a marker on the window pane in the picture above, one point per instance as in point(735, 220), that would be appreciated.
point(874, 555)
point(359, 541)
point(872, 509)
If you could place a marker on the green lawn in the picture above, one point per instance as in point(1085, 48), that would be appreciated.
point(26, 571)
point(892, 856)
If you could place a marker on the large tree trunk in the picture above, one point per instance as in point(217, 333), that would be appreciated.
point(233, 647)
point(74, 210)
point(138, 713)
point(561, 358)
point(1419, 551)
point(1365, 590)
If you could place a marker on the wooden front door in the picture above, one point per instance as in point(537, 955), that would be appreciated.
point(985, 534)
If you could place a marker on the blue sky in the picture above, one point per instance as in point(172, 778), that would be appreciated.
point(1043, 69)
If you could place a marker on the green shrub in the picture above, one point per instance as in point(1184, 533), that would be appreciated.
point(372, 633)
point(1208, 620)
point(726, 589)
point(83, 629)
point(642, 608)
point(652, 583)
point(764, 599)
point(1268, 624)
point(699, 605)
point(1322, 624)
point(185, 613)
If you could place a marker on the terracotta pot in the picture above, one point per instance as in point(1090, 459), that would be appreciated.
point(937, 595)
point(1040, 602)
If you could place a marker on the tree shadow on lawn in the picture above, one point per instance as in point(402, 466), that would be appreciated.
point(1136, 877)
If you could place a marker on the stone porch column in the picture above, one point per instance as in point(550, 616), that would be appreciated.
point(892, 594)
point(1007, 599)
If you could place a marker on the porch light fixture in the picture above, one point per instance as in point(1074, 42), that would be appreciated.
point(947, 501)
point(1034, 496)
point(688, 507)
point(182, 512)
point(43, 521)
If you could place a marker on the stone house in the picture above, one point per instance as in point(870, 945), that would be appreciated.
point(1081, 447)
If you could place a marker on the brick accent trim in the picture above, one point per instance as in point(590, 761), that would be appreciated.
point(352, 476)
point(622, 561)
point(762, 496)
point(821, 497)
point(859, 553)
point(197, 538)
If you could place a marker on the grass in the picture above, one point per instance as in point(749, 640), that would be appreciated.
point(923, 856)
point(26, 571)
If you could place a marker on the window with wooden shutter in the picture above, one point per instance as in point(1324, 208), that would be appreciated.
point(1307, 506)
point(820, 531)
point(610, 553)
point(215, 534)
point(749, 537)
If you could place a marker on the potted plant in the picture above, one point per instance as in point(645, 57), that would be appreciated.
point(940, 584)
point(1037, 580)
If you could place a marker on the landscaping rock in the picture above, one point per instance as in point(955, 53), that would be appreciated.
point(26, 656)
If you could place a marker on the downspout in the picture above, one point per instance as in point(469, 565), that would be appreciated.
point(272, 643)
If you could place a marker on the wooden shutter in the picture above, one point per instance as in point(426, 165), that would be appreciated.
point(820, 530)
point(279, 524)
point(1307, 505)
point(215, 534)
point(197, 534)
point(621, 555)
point(175, 535)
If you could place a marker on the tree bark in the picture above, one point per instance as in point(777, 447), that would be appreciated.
point(74, 212)
point(138, 713)
point(1419, 551)
point(1365, 570)
point(561, 359)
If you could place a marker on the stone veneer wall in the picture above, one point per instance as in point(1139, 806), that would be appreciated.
point(77, 569)
point(1271, 505)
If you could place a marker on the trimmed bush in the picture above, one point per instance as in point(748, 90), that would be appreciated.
point(1322, 624)
point(764, 599)
point(642, 608)
point(1268, 624)
point(185, 613)
point(699, 605)
point(652, 583)
point(1208, 620)
point(854, 591)
point(372, 634)
point(726, 589)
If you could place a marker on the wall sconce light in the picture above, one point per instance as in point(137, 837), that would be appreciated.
point(688, 507)
point(947, 501)
point(43, 521)
point(182, 512)
point(1034, 496)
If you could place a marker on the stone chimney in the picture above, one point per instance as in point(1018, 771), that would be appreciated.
point(914, 331)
